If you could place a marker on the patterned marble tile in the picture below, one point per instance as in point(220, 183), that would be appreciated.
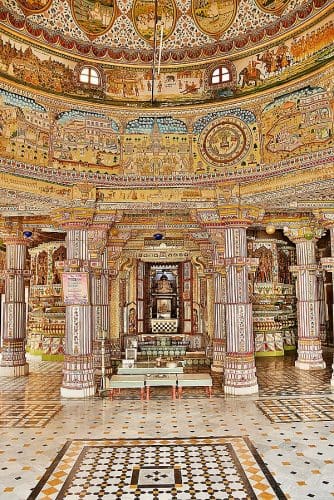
point(279, 377)
point(193, 469)
point(297, 410)
point(27, 414)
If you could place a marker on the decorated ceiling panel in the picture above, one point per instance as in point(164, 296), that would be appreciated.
point(272, 66)
point(232, 139)
point(85, 98)
point(194, 30)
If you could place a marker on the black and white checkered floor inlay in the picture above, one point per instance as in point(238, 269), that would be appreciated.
point(165, 469)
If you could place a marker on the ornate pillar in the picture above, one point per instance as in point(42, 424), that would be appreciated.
point(229, 233)
point(78, 379)
point(306, 271)
point(327, 220)
point(97, 240)
point(117, 282)
point(240, 372)
point(219, 337)
point(13, 358)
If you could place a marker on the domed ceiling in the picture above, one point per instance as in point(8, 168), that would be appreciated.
point(261, 42)
point(194, 101)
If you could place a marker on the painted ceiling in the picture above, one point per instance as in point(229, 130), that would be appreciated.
point(264, 138)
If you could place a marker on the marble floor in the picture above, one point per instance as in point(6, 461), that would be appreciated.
point(276, 444)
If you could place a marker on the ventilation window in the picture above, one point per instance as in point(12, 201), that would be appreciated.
point(220, 75)
point(89, 75)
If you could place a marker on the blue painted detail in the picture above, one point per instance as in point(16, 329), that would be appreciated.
point(20, 101)
point(76, 114)
point(164, 125)
point(243, 114)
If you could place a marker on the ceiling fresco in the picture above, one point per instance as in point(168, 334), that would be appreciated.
point(151, 136)
point(121, 31)
point(286, 61)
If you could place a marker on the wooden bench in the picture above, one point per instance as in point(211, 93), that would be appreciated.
point(164, 379)
point(151, 370)
point(126, 382)
point(194, 380)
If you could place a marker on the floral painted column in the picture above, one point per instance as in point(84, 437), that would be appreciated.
point(13, 358)
point(97, 241)
point(240, 371)
point(219, 337)
point(306, 271)
point(326, 219)
point(227, 225)
point(78, 378)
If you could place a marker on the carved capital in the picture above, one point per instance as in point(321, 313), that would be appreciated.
point(73, 218)
point(325, 217)
point(298, 233)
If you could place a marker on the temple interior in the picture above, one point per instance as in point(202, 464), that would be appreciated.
point(166, 249)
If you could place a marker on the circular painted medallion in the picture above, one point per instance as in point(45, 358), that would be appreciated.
point(273, 6)
point(30, 7)
point(213, 17)
point(225, 141)
point(94, 17)
point(146, 15)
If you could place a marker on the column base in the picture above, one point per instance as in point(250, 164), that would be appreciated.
point(241, 391)
point(14, 371)
point(87, 392)
point(309, 365)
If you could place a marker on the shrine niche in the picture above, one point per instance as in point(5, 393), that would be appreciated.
point(274, 300)
point(46, 316)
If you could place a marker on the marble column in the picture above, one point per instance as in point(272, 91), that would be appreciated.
point(13, 358)
point(306, 271)
point(100, 314)
point(219, 335)
point(78, 379)
point(328, 265)
point(99, 281)
point(240, 372)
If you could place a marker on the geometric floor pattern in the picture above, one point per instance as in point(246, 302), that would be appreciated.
point(293, 382)
point(160, 469)
point(32, 387)
point(297, 410)
point(27, 414)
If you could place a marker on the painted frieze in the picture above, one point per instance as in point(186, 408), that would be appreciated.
point(297, 122)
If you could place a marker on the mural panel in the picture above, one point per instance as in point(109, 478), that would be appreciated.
point(136, 84)
point(30, 7)
point(94, 17)
point(24, 129)
point(156, 146)
point(273, 6)
point(144, 18)
point(83, 139)
point(296, 123)
point(214, 16)
point(225, 141)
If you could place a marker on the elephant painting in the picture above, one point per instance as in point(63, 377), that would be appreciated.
point(250, 75)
